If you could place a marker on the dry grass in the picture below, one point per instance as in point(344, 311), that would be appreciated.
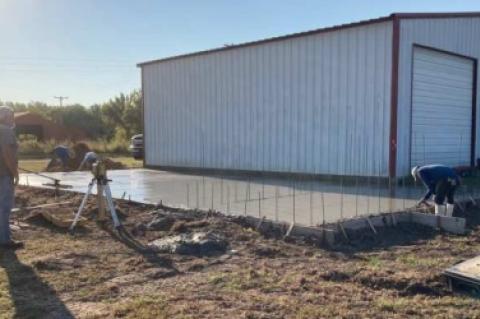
point(93, 275)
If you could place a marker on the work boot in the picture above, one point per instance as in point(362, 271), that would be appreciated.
point(12, 245)
point(450, 208)
point(440, 210)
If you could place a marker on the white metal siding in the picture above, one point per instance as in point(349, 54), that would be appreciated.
point(313, 104)
point(458, 35)
point(441, 108)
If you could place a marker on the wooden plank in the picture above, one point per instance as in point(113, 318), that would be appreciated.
point(18, 209)
point(467, 272)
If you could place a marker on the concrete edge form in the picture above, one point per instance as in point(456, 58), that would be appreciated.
point(454, 225)
point(326, 235)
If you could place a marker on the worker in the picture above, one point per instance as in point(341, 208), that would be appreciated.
point(89, 159)
point(8, 176)
point(60, 153)
point(441, 181)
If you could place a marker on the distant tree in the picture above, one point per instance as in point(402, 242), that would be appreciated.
point(123, 113)
point(118, 118)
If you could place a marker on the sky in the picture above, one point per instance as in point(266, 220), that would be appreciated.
point(88, 49)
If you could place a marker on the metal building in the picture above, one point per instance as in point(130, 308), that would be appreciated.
point(370, 98)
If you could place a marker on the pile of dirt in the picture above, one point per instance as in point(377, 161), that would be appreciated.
point(113, 274)
point(78, 151)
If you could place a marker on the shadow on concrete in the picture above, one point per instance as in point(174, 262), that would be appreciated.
point(31, 297)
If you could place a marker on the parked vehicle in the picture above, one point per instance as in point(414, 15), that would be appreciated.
point(136, 146)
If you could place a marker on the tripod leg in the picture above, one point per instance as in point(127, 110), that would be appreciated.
point(82, 205)
point(111, 206)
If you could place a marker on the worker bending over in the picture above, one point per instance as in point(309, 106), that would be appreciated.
point(8, 176)
point(60, 153)
point(440, 181)
point(89, 159)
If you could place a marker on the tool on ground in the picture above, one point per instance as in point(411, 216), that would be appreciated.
point(56, 182)
point(18, 209)
point(99, 172)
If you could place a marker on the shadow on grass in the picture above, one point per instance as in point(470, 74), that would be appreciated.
point(31, 297)
point(404, 234)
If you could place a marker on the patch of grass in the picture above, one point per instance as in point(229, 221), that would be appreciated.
point(34, 165)
point(374, 262)
point(6, 305)
point(39, 165)
point(128, 161)
point(246, 280)
point(414, 261)
point(391, 304)
point(143, 307)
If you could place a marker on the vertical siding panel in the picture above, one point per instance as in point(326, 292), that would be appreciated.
point(291, 105)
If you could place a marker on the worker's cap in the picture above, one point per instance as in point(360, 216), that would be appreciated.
point(415, 171)
point(5, 113)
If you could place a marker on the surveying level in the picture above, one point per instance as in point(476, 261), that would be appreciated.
point(99, 172)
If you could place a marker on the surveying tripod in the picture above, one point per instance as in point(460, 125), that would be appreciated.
point(99, 172)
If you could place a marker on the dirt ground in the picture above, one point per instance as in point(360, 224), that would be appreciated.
point(99, 274)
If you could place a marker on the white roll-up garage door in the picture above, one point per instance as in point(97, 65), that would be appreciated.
point(442, 94)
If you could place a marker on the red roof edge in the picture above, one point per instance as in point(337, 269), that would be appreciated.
point(422, 15)
point(283, 37)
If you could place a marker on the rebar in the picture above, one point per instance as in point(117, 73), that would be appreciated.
point(276, 203)
point(293, 202)
point(259, 205)
point(198, 194)
point(246, 195)
point(221, 190)
point(213, 196)
point(323, 209)
point(228, 199)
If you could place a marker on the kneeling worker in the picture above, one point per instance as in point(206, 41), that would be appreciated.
point(440, 181)
point(61, 153)
point(89, 159)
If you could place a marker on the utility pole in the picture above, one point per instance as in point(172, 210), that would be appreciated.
point(60, 99)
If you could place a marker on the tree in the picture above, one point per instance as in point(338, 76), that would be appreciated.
point(124, 113)
point(120, 117)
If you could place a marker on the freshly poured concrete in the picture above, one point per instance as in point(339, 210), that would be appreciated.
point(303, 202)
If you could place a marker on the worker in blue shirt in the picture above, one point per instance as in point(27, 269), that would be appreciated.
point(441, 181)
point(89, 159)
point(60, 153)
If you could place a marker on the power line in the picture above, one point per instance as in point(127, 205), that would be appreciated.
point(60, 99)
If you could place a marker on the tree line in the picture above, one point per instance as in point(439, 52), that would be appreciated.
point(119, 118)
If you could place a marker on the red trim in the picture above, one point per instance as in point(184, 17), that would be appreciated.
point(392, 161)
point(143, 117)
point(437, 15)
point(392, 17)
point(474, 112)
point(285, 37)
point(443, 51)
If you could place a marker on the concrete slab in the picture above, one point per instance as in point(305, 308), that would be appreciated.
point(304, 202)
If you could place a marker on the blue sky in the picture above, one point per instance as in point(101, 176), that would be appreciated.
point(88, 49)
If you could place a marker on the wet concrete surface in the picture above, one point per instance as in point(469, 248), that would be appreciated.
point(299, 201)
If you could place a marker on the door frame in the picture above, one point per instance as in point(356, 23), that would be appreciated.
point(474, 97)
